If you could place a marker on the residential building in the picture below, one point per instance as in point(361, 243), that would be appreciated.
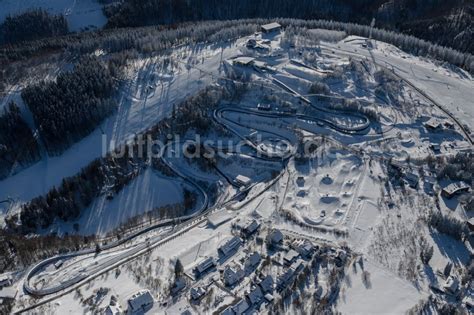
point(140, 301)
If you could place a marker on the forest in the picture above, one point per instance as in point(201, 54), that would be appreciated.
point(70, 108)
point(33, 24)
point(451, 19)
point(18, 146)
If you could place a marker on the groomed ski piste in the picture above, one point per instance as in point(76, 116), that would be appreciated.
point(333, 198)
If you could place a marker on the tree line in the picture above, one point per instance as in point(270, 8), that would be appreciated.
point(18, 146)
point(70, 108)
point(30, 25)
point(410, 16)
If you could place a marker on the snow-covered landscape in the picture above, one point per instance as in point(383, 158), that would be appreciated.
point(301, 170)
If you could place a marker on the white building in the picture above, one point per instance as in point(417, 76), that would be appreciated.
point(140, 301)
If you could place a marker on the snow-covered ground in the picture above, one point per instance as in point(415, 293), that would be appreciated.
point(79, 13)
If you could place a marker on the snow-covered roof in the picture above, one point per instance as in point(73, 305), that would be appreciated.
point(240, 307)
point(271, 27)
point(232, 276)
point(252, 227)
point(243, 179)
point(197, 293)
point(205, 264)
point(231, 245)
point(140, 300)
point(291, 255)
point(113, 310)
point(244, 60)
point(219, 218)
point(454, 188)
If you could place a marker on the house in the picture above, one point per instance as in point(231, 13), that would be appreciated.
point(271, 27)
point(230, 246)
point(285, 279)
point(243, 180)
point(232, 276)
point(436, 148)
point(250, 228)
point(113, 309)
point(255, 296)
point(5, 281)
point(197, 293)
point(455, 188)
point(433, 124)
point(291, 257)
point(303, 247)
point(297, 266)
point(227, 311)
point(412, 180)
point(267, 284)
point(240, 307)
point(243, 61)
point(264, 106)
point(470, 224)
point(275, 237)
point(140, 301)
point(269, 298)
point(451, 285)
point(251, 43)
point(429, 185)
point(205, 265)
point(252, 262)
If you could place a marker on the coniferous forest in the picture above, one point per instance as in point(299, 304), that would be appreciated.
point(18, 146)
point(33, 24)
point(70, 108)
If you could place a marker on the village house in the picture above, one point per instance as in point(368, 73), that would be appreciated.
point(140, 301)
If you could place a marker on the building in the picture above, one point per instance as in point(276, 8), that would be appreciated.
point(412, 180)
point(250, 229)
point(255, 296)
point(252, 262)
point(275, 237)
point(455, 188)
point(433, 124)
point(197, 293)
point(243, 61)
point(140, 301)
point(271, 27)
point(291, 257)
point(205, 265)
point(267, 284)
point(451, 285)
point(436, 148)
point(5, 281)
point(218, 218)
point(470, 224)
point(285, 279)
point(304, 247)
point(243, 180)
point(251, 43)
point(264, 106)
point(232, 276)
point(113, 309)
point(230, 246)
point(240, 307)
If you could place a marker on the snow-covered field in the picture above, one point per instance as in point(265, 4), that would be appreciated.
point(79, 13)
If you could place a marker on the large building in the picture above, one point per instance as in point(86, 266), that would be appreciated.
point(455, 188)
